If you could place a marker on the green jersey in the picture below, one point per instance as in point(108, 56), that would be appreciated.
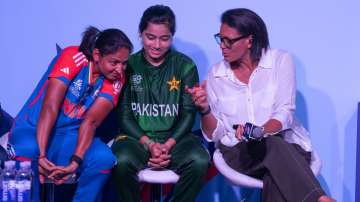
point(154, 101)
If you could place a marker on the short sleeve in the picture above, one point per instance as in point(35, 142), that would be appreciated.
point(68, 64)
point(111, 90)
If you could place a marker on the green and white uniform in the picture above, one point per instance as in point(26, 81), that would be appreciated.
point(154, 103)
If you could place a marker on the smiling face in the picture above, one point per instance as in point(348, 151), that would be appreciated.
point(156, 39)
point(113, 65)
point(238, 49)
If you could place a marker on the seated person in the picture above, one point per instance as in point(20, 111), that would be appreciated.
point(255, 84)
point(56, 126)
point(156, 114)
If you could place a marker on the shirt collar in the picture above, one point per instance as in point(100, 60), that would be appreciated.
point(266, 61)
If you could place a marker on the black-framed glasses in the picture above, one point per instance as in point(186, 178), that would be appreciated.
point(227, 42)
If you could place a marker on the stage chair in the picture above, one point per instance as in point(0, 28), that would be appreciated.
point(243, 180)
point(157, 178)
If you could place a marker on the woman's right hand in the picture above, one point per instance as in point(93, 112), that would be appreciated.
point(45, 167)
point(239, 132)
point(199, 97)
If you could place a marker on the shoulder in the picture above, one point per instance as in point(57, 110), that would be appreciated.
point(274, 58)
point(181, 62)
point(73, 57)
point(218, 69)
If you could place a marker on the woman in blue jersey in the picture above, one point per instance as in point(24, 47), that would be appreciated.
point(56, 126)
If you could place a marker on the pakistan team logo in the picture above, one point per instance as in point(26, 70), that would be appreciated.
point(173, 84)
point(136, 82)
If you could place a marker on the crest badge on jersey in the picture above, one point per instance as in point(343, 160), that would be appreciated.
point(173, 84)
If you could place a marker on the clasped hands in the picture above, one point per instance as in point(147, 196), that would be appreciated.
point(57, 174)
point(160, 155)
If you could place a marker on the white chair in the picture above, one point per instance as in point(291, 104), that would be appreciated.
point(240, 179)
point(157, 178)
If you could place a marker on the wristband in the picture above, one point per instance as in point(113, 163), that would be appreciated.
point(77, 159)
point(205, 112)
point(41, 157)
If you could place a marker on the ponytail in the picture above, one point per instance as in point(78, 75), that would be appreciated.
point(108, 41)
point(88, 41)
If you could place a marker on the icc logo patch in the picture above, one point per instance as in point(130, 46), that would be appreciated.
point(117, 87)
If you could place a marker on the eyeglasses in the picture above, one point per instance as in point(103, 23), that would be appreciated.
point(227, 42)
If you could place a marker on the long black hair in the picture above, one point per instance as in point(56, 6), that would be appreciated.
point(108, 41)
point(247, 22)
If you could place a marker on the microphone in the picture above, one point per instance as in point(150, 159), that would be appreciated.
point(251, 132)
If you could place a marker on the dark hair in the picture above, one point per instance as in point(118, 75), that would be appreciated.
point(108, 41)
point(158, 14)
point(247, 22)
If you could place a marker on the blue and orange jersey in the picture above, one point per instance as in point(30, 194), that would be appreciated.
point(72, 68)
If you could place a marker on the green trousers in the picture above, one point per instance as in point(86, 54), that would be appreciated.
point(189, 160)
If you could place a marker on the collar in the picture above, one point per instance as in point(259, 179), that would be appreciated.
point(223, 67)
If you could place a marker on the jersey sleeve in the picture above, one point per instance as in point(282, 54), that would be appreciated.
point(111, 90)
point(68, 64)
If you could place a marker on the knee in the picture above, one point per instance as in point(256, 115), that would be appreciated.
point(199, 163)
point(123, 164)
point(104, 159)
point(275, 146)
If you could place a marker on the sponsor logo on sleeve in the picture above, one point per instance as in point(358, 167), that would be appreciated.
point(65, 70)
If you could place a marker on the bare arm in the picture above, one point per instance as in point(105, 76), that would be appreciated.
point(93, 118)
point(49, 111)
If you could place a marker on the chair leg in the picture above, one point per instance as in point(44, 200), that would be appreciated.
point(47, 192)
point(156, 193)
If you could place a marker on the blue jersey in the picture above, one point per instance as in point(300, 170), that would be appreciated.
point(71, 67)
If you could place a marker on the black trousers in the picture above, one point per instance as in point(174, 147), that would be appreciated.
point(283, 167)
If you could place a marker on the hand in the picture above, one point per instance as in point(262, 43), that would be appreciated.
point(167, 146)
point(239, 132)
point(199, 96)
point(45, 168)
point(161, 162)
point(165, 158)
point(62, 174)
point(155, 149)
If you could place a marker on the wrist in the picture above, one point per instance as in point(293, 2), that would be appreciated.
point(205, 111)
point(76, 159)
point(148, 143)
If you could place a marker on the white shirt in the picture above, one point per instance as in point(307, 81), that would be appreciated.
point(270, 94)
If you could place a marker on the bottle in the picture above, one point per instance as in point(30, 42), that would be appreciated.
point(8, 182)
point(23, 182)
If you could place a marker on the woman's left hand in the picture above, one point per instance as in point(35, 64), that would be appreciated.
point(239, 132)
